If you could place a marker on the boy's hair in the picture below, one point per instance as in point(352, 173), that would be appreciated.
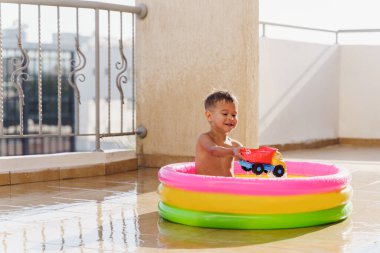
point(218, 96)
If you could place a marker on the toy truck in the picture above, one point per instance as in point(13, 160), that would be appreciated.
point(264, 159)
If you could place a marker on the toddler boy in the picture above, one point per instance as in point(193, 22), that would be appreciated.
point(215, 150)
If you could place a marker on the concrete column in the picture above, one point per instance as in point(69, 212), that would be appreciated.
point(184, 49)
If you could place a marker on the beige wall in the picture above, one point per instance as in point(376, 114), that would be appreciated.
point(184, 48)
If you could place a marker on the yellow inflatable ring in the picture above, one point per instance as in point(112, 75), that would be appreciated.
point(245, 204)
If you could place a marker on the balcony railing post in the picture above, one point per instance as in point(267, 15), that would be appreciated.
point(1, 79)
point(263, 30)
point(97, 83)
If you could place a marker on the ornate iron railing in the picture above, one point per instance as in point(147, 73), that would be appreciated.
point(29, 76)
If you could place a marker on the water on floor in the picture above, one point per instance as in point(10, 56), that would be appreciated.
point(118, 213)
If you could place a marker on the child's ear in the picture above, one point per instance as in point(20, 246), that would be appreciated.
point(208, 115)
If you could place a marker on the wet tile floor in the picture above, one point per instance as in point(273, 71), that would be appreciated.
point(118, 213)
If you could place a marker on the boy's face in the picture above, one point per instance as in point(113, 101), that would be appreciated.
point(223, 116)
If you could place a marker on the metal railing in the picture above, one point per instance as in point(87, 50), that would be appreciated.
point(20, 79)
point(335, 33)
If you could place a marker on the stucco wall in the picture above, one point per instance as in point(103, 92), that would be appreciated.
point(359, 92)
point(184, 49)
point(299, 91)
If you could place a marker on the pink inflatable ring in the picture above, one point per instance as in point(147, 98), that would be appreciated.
point(313, 178)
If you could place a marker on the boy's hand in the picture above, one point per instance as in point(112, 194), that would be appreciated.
point(237, 154)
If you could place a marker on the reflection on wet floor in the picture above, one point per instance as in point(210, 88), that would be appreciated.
point(118, 213)
point(173, 235)
point(93, 213)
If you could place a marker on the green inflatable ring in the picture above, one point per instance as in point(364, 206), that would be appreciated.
point(253, 221)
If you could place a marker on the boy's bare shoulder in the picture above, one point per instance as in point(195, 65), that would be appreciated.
point(204, 136)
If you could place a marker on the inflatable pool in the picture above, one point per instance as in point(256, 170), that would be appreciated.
point(311, 194)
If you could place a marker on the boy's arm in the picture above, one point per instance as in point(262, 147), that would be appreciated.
point(238, 146)
point(210, 146)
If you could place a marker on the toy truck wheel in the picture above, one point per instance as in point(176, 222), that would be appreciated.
point(258, 169)
point(245, 168)
point(278, 171)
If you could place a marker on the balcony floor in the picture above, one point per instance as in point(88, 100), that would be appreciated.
point(118, 213)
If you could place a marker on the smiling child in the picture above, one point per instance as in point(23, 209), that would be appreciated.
point(215, 150)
